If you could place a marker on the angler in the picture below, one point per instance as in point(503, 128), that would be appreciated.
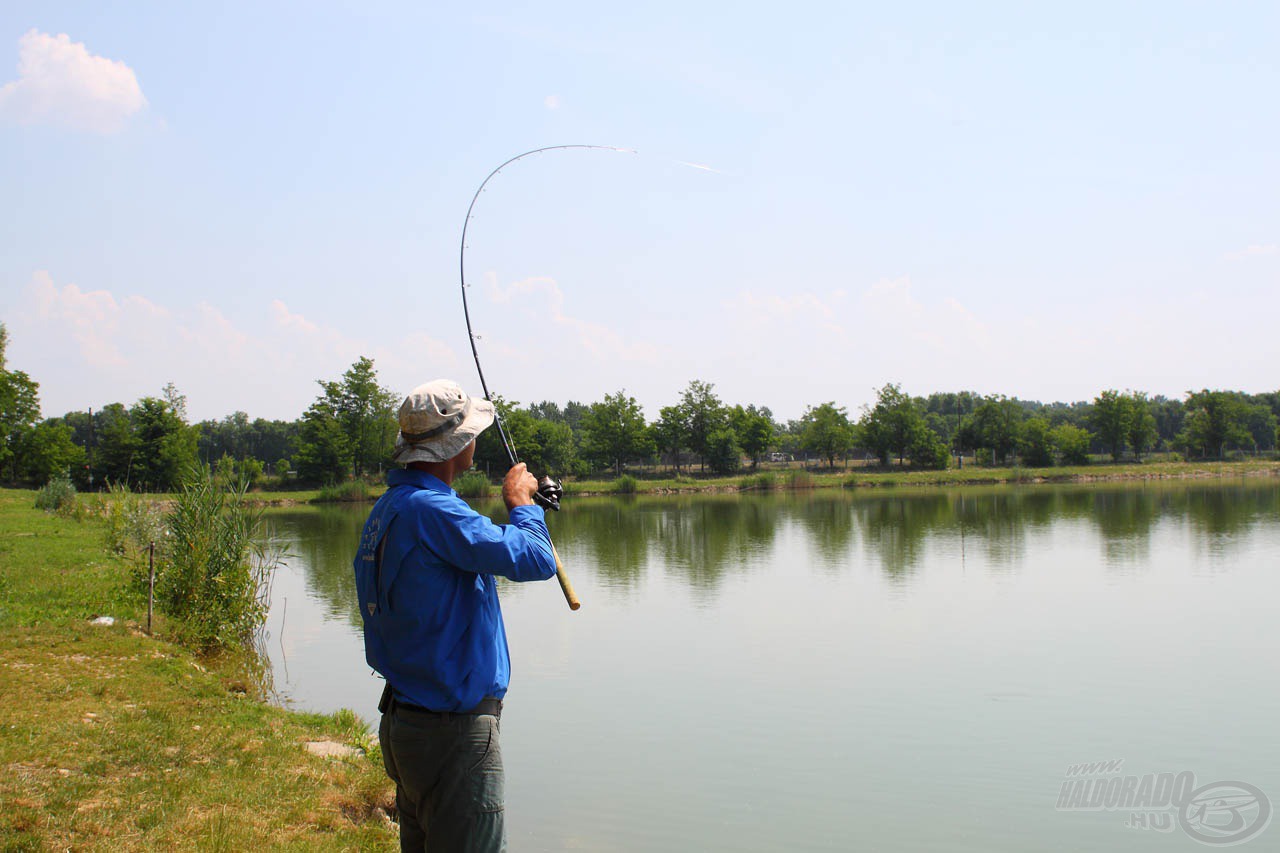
point(426, 579)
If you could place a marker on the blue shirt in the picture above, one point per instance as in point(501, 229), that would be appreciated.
point(425, 578)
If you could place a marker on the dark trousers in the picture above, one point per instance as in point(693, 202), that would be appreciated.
point(449, 780)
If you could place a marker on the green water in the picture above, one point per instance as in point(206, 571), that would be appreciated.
point(872, 671)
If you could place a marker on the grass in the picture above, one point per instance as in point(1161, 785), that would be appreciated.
point(114, 740)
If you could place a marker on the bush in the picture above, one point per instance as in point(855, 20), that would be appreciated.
point(58, 495)
point(800, 479)
point(473, 484)
point(131, 522)
point(624, 485)
point(214, 570)
point(763, 482)
point(349, 491)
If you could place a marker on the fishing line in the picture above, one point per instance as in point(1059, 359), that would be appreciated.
point(462, 271)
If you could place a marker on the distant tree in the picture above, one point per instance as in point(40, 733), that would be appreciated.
point(47, 450)
point(723, 453)
point(1260, 422)
point(324, 452)
point(1169, 415)
point(928, 450)
point(165, 445)
point(670, 433)
point(115, 444)
point(994, 424)
point(1141, 432)
point(1035, 444)
point(893, 425)
point(365, 411)
point(614, 432)
point(702, 414)
point(1072, 444)
point(1214, 420)
point(827, 432)
point(1112, 414)
point(754, 429)
point(19, 409)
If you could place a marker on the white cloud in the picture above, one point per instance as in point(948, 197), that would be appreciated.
point(1253, 251)
point(91, 347)
point(61, 83)
point(551, 102)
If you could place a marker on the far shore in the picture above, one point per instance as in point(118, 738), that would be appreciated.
point(795, 478)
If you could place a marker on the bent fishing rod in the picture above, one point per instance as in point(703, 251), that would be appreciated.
point(549, 491)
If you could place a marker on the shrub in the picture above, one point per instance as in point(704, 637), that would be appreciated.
point(624, 485)
point(348, 491)
point(214, 571)
point(472, 484)
point(131, 522)
point(58, 495)
point(799, 479)
point(763, 482)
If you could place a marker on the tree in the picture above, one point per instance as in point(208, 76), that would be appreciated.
point(994, 424)
point(703, 414)
point(324, 455)
point(115, 444)
point(614, 432)
point(365, 411)
point(165, 445)
point(723, 453)
point(827, 432)
point(893, 425)
point(1141, 431)
point(1214, 419)
point(754, 429)
point(19, 409)
point(1112, 414)
point(1072, 443)
point(669, 433)
point(47, 450)
point(1036, 443)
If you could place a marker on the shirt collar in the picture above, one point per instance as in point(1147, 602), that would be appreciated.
point(417, 479)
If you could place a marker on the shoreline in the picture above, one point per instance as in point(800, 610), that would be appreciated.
point(807, 479)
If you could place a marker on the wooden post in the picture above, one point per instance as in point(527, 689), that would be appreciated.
point(151, 581)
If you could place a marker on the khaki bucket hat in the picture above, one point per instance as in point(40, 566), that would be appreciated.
point(438, 420)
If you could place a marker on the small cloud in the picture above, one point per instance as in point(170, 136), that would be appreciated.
point(551, 102)
point(699, 166)
point(1253, 251)
point(61, 83)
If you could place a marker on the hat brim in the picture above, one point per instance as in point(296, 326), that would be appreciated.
point(444, 447)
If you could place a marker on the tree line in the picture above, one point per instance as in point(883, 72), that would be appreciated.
point(350, 428)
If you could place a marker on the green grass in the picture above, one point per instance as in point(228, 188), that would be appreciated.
point(114, 740)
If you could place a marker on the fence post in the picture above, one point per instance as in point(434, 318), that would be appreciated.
point(151, 581)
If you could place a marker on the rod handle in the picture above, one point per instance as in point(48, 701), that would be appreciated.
point(570, 596)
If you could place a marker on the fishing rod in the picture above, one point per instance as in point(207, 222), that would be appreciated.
point(550, 490)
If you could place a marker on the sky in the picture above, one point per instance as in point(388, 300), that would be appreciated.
point(1036, 200)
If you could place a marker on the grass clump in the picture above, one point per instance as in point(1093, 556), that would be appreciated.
point(762, 482)
point(58, 495)
point(350, 491)
point(625, 485)
point(472, 484)
point(132, 522)
point(799, 479)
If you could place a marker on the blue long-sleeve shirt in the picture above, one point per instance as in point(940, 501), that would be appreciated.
point(425, 579)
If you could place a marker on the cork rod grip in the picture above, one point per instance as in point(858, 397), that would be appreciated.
point(567, 588)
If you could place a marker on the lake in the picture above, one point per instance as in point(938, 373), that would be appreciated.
point(866, 670)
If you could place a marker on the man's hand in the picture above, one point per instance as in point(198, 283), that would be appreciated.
point(518, 487)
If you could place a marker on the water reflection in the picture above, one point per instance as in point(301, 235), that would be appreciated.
point(701, 540)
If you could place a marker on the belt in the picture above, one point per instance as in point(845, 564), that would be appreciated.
point(487, 706)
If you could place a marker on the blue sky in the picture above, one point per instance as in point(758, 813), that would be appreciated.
point(243, 199)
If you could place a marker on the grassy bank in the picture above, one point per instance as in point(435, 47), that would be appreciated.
point(796, 478)
point(114, 740)
point(858, 477)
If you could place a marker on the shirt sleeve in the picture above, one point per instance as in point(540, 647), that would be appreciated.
point(467, 540)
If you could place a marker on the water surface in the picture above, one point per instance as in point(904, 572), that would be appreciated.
point(886, 670)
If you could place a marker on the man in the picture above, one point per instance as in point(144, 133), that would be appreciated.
point(426, 581)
